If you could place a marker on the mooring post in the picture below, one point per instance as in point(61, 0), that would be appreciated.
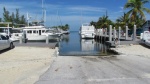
point(134, 33)
point(119, 35)
point(114, 33)
point(20, 39)
point(110, 33)
point(126, 33)
point(47, 39)
point(105, 34)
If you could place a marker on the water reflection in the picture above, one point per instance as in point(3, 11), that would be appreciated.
point(102, 48)
point(87, 45)
point(65, 38)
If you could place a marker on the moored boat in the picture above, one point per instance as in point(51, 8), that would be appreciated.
point(87, 31)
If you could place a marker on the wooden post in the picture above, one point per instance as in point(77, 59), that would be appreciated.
point(119, 33)
point(126, 33)
point(110, 33)
point(105, 34)
point(134, 33)
point(114, 33)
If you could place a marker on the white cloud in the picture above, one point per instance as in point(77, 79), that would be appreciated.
point(87, 8)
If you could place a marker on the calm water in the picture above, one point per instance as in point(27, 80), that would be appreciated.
point(73, 45)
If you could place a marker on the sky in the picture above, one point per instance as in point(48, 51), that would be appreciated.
point(72, 12)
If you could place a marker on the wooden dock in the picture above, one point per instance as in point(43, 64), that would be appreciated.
point(113, 37)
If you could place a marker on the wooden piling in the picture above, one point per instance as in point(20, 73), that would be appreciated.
point(110, 33)
point(126, 33)
point(134, 33)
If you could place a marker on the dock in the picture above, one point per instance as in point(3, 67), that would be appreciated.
point(114, 37)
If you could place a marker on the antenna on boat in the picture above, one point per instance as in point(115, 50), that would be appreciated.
point(58, 17)
point(43, 14)
point(28, 18)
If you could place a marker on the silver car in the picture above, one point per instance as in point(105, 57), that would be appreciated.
point(5, 42)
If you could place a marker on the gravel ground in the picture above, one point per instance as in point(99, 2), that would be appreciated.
point(138, 50)
point(24, 65)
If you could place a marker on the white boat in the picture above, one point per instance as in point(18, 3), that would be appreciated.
point(39, 33)
point(34, 32)
point(52, 34)
point(87, 31)
point(63, 31)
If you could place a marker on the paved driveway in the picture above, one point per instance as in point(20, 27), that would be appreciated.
point(98, 70)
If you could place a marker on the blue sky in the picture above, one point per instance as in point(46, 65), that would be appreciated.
point(72, 12)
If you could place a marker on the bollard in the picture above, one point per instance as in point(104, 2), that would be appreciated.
point(110, 33)
point(126, 33)
point(47, 39)
point(134, 33)
point(20, 39)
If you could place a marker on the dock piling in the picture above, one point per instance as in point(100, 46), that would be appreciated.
point(47, 39)
point(114, 33)
point(134, 33)
point(110, 33)
point(126, 33)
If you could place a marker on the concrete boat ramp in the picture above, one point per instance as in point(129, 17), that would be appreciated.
point(119, 69)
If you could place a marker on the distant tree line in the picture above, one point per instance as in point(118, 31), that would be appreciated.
point(15, 18)
point(63, 27)
point(135, 16)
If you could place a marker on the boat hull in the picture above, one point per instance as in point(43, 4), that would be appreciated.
point(87, 36)
point(36, 37)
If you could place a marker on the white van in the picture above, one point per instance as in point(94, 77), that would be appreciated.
point(5, 42)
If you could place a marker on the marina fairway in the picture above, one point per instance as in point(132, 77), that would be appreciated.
point(73, 45)
point(121, 69)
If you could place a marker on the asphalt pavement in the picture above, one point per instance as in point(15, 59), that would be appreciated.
point(120, 69)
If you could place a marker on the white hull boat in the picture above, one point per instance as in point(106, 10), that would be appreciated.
point(36, 37)
point(87, 31)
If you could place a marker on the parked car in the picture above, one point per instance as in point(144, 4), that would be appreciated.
point(5, 42)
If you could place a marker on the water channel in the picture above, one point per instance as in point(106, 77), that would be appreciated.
point(72, 45)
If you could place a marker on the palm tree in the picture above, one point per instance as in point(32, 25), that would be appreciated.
point(104, 22)
point(136, 9)
point(123, 19)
